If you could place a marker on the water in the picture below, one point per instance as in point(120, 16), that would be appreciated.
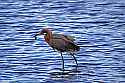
point(99, 28)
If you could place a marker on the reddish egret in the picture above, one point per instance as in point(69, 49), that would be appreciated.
point(60, 42)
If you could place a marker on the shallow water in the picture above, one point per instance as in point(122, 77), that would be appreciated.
point(99, 28)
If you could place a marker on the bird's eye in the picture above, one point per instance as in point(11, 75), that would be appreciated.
point(45, 33)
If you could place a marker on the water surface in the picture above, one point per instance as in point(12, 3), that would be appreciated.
point(99, 28)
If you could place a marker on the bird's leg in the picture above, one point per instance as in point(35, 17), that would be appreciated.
point(62, 60)
point(74, 58)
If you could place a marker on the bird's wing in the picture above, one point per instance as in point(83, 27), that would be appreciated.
point(63, 45)
point(58, 44)
point(60, 36)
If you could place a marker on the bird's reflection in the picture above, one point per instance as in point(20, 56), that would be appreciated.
point(64, 74)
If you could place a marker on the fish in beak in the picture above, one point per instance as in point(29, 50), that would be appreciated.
point(37, 35)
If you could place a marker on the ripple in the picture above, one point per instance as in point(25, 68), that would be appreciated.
point(97, 25)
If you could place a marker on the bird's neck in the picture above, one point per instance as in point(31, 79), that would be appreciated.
point(48, 37)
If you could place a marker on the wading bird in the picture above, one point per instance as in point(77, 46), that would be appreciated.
point(60, 42)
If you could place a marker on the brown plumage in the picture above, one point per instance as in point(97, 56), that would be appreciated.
point(60, 42)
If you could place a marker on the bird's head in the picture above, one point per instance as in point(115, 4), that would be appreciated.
point(44, 32)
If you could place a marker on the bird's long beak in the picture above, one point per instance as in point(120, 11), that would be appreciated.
point(36, 35)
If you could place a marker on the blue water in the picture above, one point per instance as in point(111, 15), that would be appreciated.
point(99, 28)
